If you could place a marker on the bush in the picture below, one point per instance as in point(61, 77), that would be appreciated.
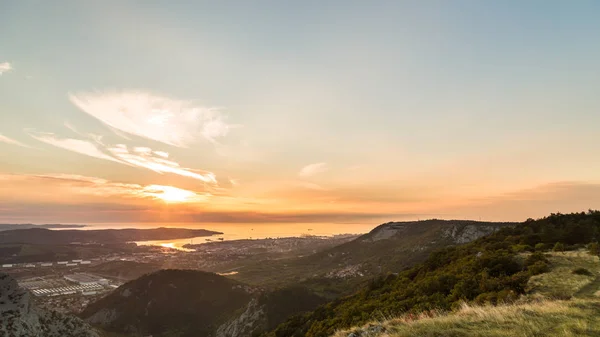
point(558, 247)
point(534, 258)
point(593, 248)
point(582, 271)
point(541, 247)
point(537, 268)
point(521, 248)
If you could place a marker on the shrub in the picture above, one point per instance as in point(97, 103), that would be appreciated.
point(534, 258)
point(582, 271)
point(558, 247)
point(541, 247)
point(521, 248)
point(537, 268)
point(593, 248)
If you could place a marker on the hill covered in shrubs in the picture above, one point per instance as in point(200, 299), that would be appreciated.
point(489, 270)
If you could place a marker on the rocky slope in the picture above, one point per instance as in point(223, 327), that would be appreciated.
point(268, 310)
point(20, 318)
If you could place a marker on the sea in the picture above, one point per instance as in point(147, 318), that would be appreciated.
point(239, 231)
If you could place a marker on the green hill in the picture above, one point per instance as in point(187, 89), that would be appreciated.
point(389, 247)
point(491, 269)
point(573, 276)
point(170, 303)
point(193, 303)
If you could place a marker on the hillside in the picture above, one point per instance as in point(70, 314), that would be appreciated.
point(392, 246)
point(389, 247)
point(123, 270)
point(194, 303)
point(170, 303)
point(19, 317)
point(544, 318)
point(488, 270)
point(23, 253)
point(538, 313)
point(269, 309)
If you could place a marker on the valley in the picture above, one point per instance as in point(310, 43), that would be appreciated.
point(427, 273)
point(46, 266)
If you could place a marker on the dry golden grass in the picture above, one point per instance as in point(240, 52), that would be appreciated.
point(539, 318)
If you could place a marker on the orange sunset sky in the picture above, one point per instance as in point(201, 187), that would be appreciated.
point(124, 111)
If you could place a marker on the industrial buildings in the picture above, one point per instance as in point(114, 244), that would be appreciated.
point(85, 279)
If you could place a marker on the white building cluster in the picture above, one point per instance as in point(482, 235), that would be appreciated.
point(72, 263)
point(79, 283)
point(85, 289)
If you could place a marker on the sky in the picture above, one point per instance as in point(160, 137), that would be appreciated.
point(297, 112)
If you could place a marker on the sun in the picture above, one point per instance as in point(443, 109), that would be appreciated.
point(169, 194)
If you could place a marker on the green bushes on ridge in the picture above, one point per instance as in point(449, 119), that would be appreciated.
point(485, 271)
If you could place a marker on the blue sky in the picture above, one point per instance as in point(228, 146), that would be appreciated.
point(392, 107)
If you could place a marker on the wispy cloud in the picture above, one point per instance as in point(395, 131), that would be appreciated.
point(312, 169)
point(77, 198)
point(102, 187)
point(5, 139)
point(142, 157)
point(76, 145)
point(146, 158)
point(160, 118)
point(5, 67)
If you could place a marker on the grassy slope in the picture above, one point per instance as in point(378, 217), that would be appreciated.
point(547, 318)
point(537, 314)
point(560, 282)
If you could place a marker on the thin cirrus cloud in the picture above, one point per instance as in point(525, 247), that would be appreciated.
point(75, 145)
point(142, 157)
point(8, 140)
point(313, 169)
point(167, 120)
point(5, 67)
point(102, 187)
point(157, 162)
